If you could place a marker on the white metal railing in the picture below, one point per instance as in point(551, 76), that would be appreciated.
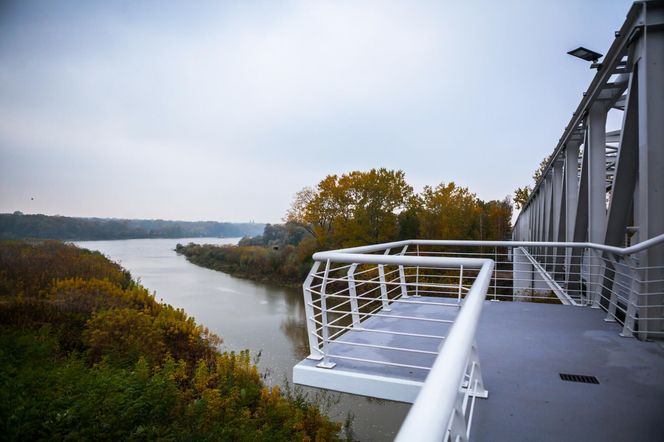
point(580, 274)
point(444, 408)
point(345, 289)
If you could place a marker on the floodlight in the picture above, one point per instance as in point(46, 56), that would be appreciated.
point(585, 54)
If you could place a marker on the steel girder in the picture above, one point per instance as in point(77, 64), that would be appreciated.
point(616, 196)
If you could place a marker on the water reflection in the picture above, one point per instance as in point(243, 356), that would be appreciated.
point(296, 331)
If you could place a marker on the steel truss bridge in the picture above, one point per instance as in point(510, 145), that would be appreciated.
point(608, 187)
point(554, 335)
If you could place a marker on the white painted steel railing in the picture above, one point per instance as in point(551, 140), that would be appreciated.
point(444, 407)
point(347, 290)
point(580, 274)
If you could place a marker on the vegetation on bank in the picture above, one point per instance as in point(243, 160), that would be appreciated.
point(354, 209)
point(20, 226)
point(86, 353)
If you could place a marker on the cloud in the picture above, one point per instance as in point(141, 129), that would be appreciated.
point(264, 98)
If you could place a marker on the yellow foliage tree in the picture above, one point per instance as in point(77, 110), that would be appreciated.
point(449, 212)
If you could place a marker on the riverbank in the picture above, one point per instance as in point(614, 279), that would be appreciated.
point(132, 367)
point(264, 318)
point(282, 266)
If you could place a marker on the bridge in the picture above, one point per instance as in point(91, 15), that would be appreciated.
point(555, 334)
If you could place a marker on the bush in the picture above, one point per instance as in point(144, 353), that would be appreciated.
point(92, 356)
point(125, 335)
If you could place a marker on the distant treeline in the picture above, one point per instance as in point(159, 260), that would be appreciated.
point(87, 353)
point(21, 226)
point(355, 209)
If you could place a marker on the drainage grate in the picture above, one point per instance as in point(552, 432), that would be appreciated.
point(578, 378)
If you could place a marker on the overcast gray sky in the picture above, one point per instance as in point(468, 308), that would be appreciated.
point(223, 110)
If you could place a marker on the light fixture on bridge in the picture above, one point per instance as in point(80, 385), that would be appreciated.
point(587, 54)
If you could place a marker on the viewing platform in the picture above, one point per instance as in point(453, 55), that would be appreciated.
point(524, 347)
point(515, 354)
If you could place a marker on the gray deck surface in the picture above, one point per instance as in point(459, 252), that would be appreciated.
point(523, 347)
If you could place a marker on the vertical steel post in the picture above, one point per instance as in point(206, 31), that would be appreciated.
point(402, 275)
point(325, 363)
point(495, 272)
point(649, 56)
point(353, 296)
point(460, 283)
point(417, 274)
point(315, 352)
point(547, 182)
point(596, 192)
point(557, 204)
point(571, 196)
point(383, 287)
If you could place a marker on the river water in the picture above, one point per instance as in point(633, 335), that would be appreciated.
point(247, 315)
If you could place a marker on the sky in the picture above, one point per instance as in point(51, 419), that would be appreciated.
point(224, 110)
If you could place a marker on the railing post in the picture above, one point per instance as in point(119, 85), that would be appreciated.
point(458, 428)
point(460, 283)
point(315, 352)
point(353, 295)
point(477, 389)
point(417, 275)
point(383, 288)
point(325, 363)
point(402, 275)
point(495, 272)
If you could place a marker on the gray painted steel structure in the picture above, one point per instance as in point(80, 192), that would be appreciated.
point(608, 188)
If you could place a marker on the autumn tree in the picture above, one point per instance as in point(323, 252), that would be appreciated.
point(496, 219)
point(409, 218)
point(354, 208)
point(449, 212)
point(316, 209)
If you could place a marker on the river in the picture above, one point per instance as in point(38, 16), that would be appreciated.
point(263, 318)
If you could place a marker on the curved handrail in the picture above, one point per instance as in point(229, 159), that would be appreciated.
point(324, 256)
point(438, 396)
